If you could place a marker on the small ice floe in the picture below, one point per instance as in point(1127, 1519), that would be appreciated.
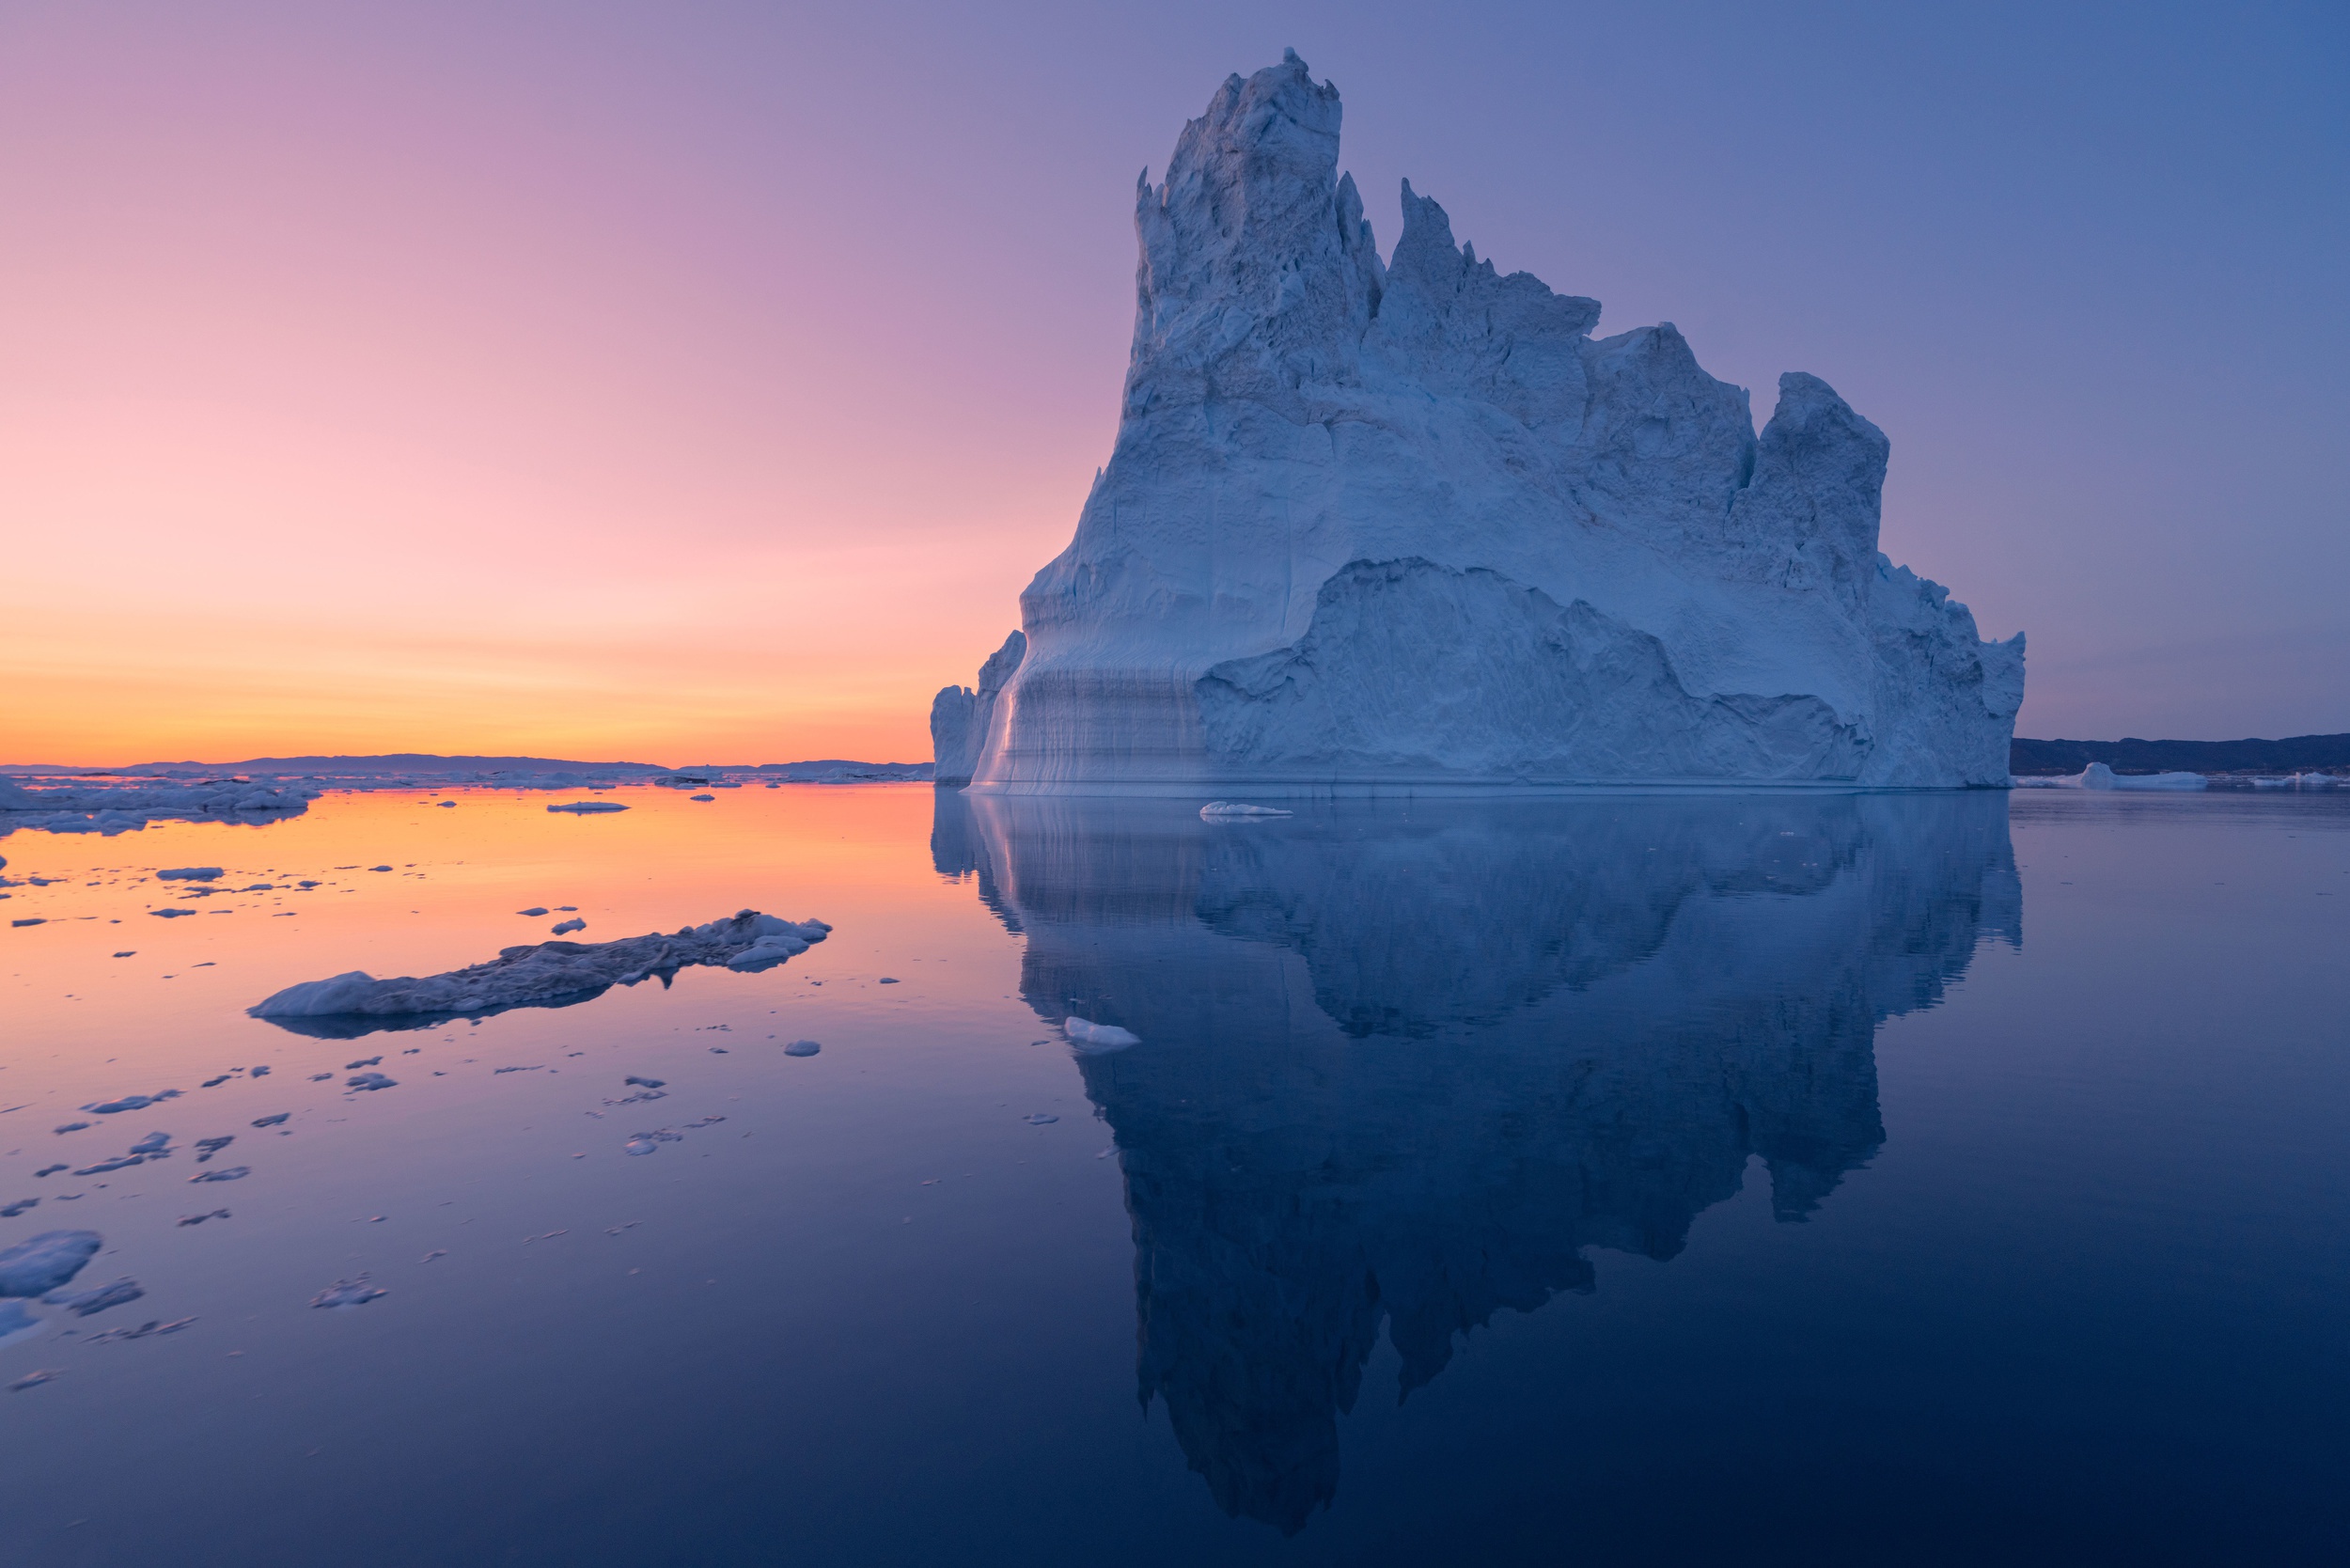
point(534, 911)
point(369, 1081)
point(272, 1121)
point(540, 1067)
point(259, 887)
point(444, 802)
point(550, 974)
point(436, 1252)
point(589, 808)
point(130, 1103)
point(644, 1083)
point(83, 1304)
point(120, 1163)
point(31, 1379)
point(801, 1048)
point(701, 797)
point(17, 1323)
point(50, 1170)
point(258, 1072)
point(153, 1143)
point(234, 1173)
point(189, 873)
point(215, 1083)
point(348, 1293)
point(132, 954)
point(1095, 1039)
point(141, 1332)
point(208, 1147)
point(21, 1206)
point(379, 867)
point(71, 1127)
point(321, 1078)
point(35, 921)
point(42, 1264)
point(198, 1219)
point(640, 1146)
point(886, 979)
point(1218, 809)
point(564, 928)
point(1039, 1119)
point(363, 1062)
point(169, 914)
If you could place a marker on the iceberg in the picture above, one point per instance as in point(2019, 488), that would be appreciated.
point(2099, 777)
point(1407, 523)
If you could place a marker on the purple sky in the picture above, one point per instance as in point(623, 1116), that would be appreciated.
point(709, 377)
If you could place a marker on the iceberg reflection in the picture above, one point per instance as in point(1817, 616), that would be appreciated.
point(1405, 1064)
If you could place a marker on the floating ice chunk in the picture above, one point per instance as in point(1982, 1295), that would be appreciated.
point(208, 1147)
point(549, 974)
point(141, 1332)
point(348, 1293)
point(169, 914)
point(234, 1173)
point(801, 1048)
point(128, 1102)
point(262, 1072)
point(1094, 1038)
point(35, 921)
point(83, 1304)
point(363, 1062)
point(71, 1127)
point(564, 928)
point(701, 797)
point(646, 1083)
point(534, 911)
point(640, 1146)
point(17, 1323)
point(120, 1163)
point(444, 802)
point(41, 1263)
point(1216, 810)
point(370, 1081)
point(21, 1206)
point(50, 1170)
point(189, 873)
point(153, 1143)
point(589, 808)
point(2099, 777)
point(1040, 1118)
point(886, 979)
point(198, 1219)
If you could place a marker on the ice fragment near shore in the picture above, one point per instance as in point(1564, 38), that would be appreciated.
point(546, 974)
point(1097, 1039)
point(1408, 522)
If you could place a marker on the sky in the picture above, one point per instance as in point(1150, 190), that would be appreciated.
point(686, 380)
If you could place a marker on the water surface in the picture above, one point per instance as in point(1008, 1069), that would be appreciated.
point(1777, 1178)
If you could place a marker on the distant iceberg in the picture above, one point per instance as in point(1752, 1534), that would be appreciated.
point(2099, 777)
point(1406, 523)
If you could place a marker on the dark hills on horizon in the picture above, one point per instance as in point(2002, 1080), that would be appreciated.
point(2132, 755)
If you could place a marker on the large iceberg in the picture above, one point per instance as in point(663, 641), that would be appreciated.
point(1410, 524)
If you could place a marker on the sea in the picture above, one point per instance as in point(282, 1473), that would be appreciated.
point(1761, 1178)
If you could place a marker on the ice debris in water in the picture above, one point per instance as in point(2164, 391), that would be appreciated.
point(39, 1264)
point(120, 1163)
point(153, 1143)
point(189, 873)
point(369, 1081)
point(545, 974)
point(198, 1219)
point(50, 1170)
point(22, 1205)
point(234, 1173)
point(141, 1332)
point(83, 1304)
point(17, 1323)
point(564, 928)
point(347, 1293)
point(587, 808)
point(130, 1103)
point(169, 914)
point(379, 867)
point(801, 1048)
point(72, 1127)
point(1040, 1118)
point(644, 1083)
point(1094, 1038)
point(1216, 809)
point(272, 1121)
point(534, 911)
point(363, 1062)
point(208, 1147)
point(640, 1146)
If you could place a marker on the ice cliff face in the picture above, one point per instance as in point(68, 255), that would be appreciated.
point(1410, 524)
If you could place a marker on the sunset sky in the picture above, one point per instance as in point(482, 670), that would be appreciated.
point(702, 382)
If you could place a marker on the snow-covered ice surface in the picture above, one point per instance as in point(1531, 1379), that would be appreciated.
point(1614, 1130)
point(1407, 523)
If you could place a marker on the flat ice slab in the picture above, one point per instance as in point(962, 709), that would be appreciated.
point(543, 974)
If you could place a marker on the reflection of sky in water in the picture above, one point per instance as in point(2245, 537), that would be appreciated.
point(1885, 1230)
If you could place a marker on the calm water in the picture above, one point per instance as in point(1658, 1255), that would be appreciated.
point(1766, 1180)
